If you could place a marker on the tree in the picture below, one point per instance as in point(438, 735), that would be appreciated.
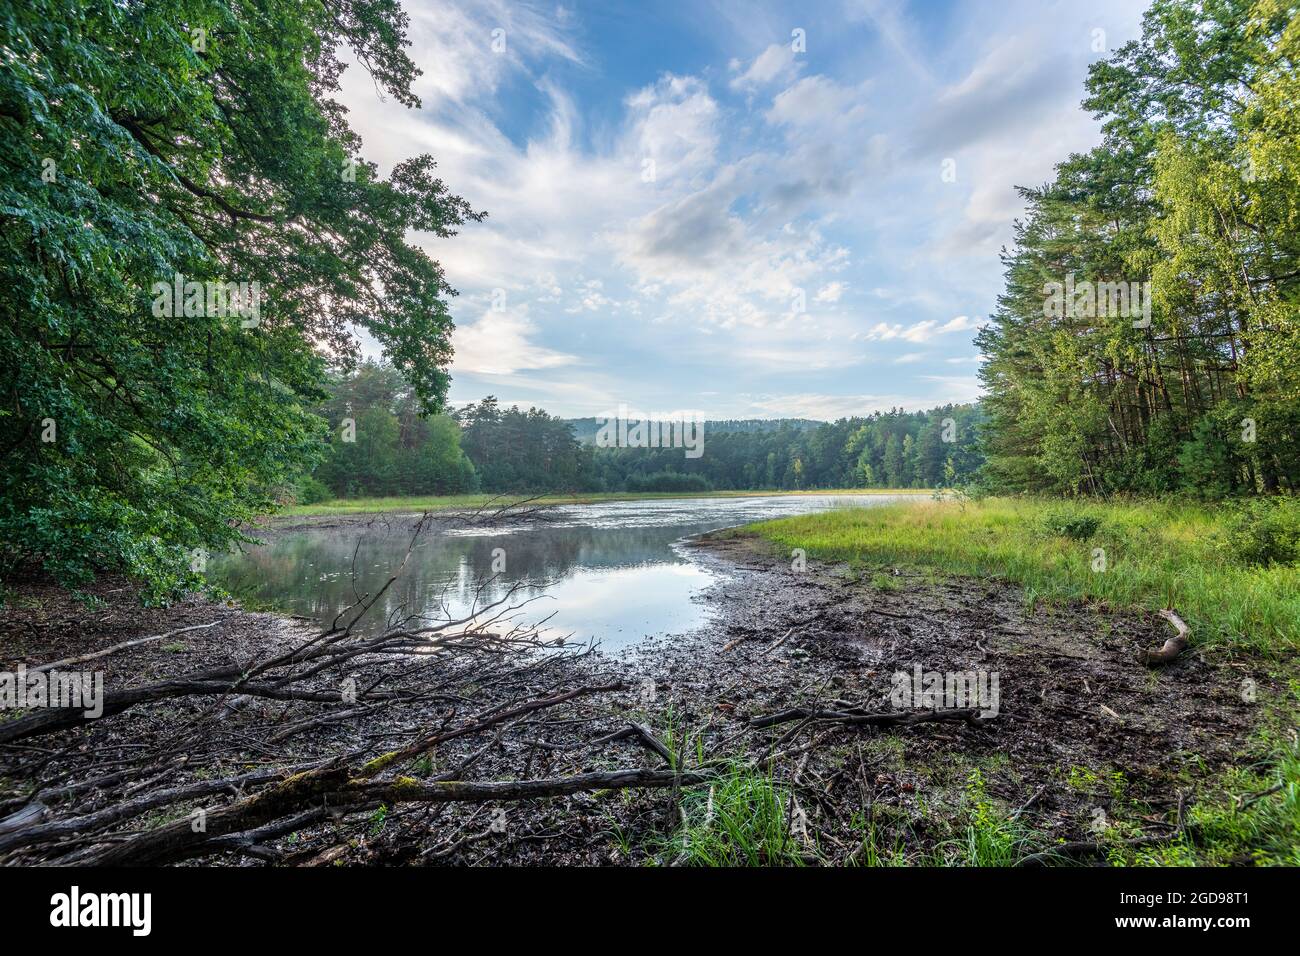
point(1193, 194)
point(192, 147)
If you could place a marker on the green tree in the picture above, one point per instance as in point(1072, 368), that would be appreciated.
point(145, 144)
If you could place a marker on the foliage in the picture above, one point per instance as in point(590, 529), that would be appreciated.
point(895, 449)
point(1072, 523)
point(667, 481)
point(1196, 190)
point(1263, 531)
point(520, 451)
point(145, 141)
point(310, 491)
point(381, 443)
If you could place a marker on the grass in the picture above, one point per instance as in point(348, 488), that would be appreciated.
point(1146, 555)
point(742, 820)
point(1140, 555)
point(345, 506)
point(1254, 820)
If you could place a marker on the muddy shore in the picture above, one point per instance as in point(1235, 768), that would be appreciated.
point(1082, 732)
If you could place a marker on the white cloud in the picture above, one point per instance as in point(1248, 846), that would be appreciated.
point(922, 331)
point(827, 184)
point(830, 292)
point(816, 101)
point(776, 63)
point(674, 124)
point(500, 343)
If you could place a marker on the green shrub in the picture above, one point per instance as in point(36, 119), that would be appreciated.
point(311, 491)
point(1071, 523)
point(670, 481)
point(1263, 531)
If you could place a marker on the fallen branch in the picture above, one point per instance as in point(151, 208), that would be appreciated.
point(117, 647)
point(331, 786)
point(642, 734)
point(1172, 647)
point(784, 637)
point(893, 718)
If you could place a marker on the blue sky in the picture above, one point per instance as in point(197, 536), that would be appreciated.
point(690, 209)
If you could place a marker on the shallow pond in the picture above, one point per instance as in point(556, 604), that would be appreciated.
point(614, 572)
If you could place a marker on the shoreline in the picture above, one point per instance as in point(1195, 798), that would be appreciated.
point(828, 637)
point(467, 504)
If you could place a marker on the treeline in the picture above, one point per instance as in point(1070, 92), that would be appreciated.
point(1196, 191)
point(586, 429)
point(893, 449)
point(380, 445)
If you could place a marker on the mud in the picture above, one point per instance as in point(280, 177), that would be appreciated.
point(1081, 726)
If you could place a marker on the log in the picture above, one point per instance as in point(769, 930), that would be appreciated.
point(332, 786)
point(892, 718)
point(1172, 647)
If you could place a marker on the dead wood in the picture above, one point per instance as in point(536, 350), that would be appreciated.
point(893, 718)
point(1172, 647)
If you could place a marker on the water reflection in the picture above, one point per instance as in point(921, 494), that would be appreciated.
point(612, 572)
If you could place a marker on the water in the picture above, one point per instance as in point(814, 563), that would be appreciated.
point(613, 572)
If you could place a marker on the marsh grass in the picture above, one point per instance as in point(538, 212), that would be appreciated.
point(1154, 555)
point(744, 819)
point(984, 835)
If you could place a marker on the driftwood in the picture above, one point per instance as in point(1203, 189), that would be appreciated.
point(67, 661)
point(1172, 647)
point(892, 718)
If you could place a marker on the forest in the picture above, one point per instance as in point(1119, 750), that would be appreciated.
point(379, 445)
point(1194, 194)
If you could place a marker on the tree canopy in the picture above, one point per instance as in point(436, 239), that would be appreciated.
point(1195, 190)
point(193, 147)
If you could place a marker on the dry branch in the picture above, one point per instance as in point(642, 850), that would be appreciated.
point(67, 661)
point(1172, 647)
point(893, 718)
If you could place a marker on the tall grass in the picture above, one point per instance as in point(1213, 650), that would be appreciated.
point(742, 820)
point(1140, 555)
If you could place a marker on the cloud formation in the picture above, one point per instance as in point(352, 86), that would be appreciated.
point(731, 222)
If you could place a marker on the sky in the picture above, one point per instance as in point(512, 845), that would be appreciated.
point(742, 209)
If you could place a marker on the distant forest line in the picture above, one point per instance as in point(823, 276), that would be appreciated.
point(380, 445)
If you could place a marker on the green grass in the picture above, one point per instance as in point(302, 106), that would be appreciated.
point(1231, 828)
point(990, 837)
point(742, 820)
point(345, 506)
point(1155, 555)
